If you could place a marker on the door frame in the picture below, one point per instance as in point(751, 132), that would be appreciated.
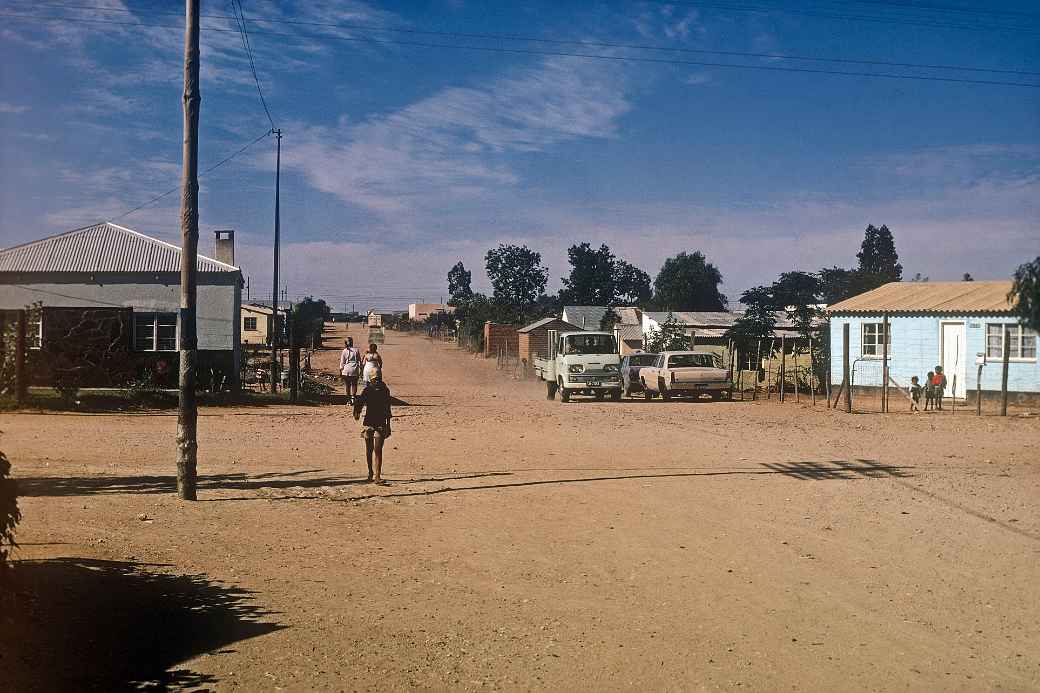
point(942, 353)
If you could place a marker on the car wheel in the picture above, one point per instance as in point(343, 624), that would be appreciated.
point(665, 395)
point(647, 395)
point(600, 395)
point(615, 395)
point(565, 395)
point(550, 391)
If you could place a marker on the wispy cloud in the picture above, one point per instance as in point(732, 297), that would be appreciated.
point(453, 144)
point(11, 108)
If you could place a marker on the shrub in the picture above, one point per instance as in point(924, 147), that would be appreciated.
point(9, 513)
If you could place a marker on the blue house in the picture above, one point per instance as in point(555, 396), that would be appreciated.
point(956, 325)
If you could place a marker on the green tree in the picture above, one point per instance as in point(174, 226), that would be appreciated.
point(631, 285)
point(670, 337)
point(517, 276)
point(308, 322)
point(598, 278)
point(459, 288)
point(878, 256)
point(758, 320)
point(1025, 294)
point(688, 282)
point(798, 293)
point(967, 277)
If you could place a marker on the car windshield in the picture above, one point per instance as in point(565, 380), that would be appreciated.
point(590, 344)
point(643, 360)
point(695, 361)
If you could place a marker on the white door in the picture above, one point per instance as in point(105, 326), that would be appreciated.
point(953, 356)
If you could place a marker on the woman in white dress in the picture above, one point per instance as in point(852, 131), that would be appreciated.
point(373, 363)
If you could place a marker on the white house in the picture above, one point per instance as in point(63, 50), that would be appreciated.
point(108, 303)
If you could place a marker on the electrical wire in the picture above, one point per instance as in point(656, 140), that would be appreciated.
point(588, 56)
point(240, 18)
point(208, 170)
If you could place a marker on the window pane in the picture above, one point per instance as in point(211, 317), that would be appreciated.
point(167, 329)
point(144, 331)
point(1029, 345)
point(994, 341)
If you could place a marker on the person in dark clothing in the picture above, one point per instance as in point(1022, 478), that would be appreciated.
point(939, 382)
point(375, 400)
point(915, 395)
point(929, 391)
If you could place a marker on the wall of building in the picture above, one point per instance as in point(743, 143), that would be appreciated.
point(219, 298)
point(260, 334)
point(915, 350)
point(498, 337)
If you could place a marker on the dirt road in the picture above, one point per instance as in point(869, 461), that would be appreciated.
point(527, 544)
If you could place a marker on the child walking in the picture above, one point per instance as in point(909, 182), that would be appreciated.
point(915, 395)
point(929, 392)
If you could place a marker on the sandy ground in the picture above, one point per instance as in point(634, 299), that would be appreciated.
point(528, 544)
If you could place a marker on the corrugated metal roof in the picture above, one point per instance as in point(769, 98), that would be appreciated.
point(629, 331)
point(546, 321)
point(930, 297)
point(103, 247)
point(585, 317)
point(719, 319)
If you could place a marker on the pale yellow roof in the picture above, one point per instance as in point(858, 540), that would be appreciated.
point(930, 297)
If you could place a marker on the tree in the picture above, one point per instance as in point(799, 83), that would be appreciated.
point(591, 281)
point(878, 256)
point(689, 282)
point(798, 293)
point(459, 288)
point(598, 278)
point(670, 337)
point(918, 277)
point(517, 276)
point(631, 285)
point(967, 277)
point(1025, 294)
point(837, 283)
point(758, 320)
point(308, 322)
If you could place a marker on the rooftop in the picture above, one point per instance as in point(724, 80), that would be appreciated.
point(103, 247)
point(930, 297)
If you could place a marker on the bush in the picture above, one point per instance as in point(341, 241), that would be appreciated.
point(9, 513)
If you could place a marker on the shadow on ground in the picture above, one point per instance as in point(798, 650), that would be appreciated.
point(71, 624)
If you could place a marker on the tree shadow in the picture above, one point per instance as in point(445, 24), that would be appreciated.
point(95, 485)
point(73, 624)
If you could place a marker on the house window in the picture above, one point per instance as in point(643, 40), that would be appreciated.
point(872, 334)
point(34, 330)
point(155, 331)
point(249, 324)
point(1022, 342)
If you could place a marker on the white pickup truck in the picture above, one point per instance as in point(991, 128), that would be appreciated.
point(685, 374)
point(581, 363)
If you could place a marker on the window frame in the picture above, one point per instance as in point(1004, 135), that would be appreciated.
point(245, 324)
point(879, 328)
point(34, 337)
point(1017, 332)
point(141, 317)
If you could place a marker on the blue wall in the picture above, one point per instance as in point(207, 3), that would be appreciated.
point(915, 351)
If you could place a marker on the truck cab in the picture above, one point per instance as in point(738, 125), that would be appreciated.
point(581, 363)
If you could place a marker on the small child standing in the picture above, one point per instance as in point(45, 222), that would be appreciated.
point(929, 392)
point(915, 395)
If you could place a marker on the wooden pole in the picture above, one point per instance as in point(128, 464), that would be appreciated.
point(978, 392)
point(275, 331)
point(758, 365)
point(21, 387)
point(845, 382)
point(187, 409)
point(795, 355)
point(769, 367)
point(812, 373)
point(783, 367)
point(1004, 372)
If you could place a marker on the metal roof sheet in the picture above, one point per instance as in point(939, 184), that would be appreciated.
point(103, 247)
point(629, 331)
point(930, 297)
point(545, 321)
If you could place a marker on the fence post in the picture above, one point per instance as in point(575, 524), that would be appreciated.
point(21, 387)
point(978, 392)
point(783, 367)
point(769, 367)
point(758, 365)
point(1004, 372)
point(846, 383)
point(884, 364)
point(294, 373)
point(795, 354)
point(812, 373)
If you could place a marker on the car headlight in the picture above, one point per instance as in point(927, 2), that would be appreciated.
point(576, 368)
point(610, 368)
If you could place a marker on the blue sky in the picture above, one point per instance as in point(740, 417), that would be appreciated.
point(399, 160)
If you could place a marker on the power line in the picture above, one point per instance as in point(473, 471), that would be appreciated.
point(208, 170)
point(948, 8)
point(589, 56)
point(240, 18)
point(601, 44)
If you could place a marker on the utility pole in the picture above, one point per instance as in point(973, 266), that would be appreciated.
point(277, 240)
point(187, 409)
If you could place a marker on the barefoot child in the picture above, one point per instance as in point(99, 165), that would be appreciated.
point(915, 394)
point(375, 400)
point(929, 392)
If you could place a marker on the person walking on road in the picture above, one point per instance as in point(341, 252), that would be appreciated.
point(373, 362)
point(375, 428)
point(349, 368)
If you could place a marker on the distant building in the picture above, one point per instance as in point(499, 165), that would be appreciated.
point(533, 339)
point(378, 317)
point(421, 312)
point(256, 323)
point(951, 324)
point(109, 300)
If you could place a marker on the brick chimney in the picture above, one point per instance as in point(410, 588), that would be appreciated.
point(224, 246)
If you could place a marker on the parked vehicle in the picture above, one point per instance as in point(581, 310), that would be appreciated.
point(686, 374)
point(584, 363)
point(630, 367)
